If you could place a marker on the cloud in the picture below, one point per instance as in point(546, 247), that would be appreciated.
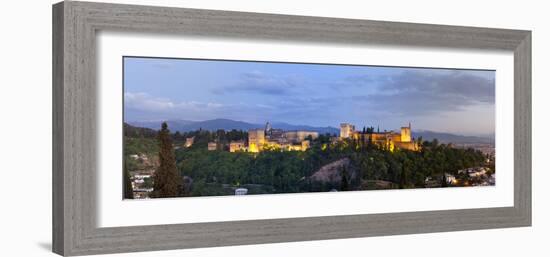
point(162, 64)
point(305, 109)
point(143, 106)
point(260, 83)
point(144, 102)
point(356, 81)
point(425, 92)
point(389, 99)
point(444, 84)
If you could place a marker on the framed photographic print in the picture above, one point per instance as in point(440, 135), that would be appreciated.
point(183, 128)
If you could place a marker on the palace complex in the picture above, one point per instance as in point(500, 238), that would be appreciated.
point(389, 139)
point(269, 138)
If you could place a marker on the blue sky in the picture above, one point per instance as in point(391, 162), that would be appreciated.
point(445, 100)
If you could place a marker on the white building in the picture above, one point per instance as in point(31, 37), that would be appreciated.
point(450, 179)
point(473, 172)
point(212, 146)
point(241, 191)
point(189, 141)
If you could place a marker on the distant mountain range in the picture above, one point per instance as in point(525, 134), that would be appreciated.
point(227, 124)
point(452, 138)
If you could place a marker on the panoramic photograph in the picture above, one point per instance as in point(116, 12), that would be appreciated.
point(198, 127)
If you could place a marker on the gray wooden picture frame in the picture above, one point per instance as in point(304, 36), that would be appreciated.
point(75, 25)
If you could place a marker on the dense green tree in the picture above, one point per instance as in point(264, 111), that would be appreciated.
point(128, 191)
point(344, 184)
point(178, 136)
point(167, 180)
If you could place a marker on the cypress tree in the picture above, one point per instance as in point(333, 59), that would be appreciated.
point(344, 185)
point(166, 180)
point(128, 191)
point(403, 177)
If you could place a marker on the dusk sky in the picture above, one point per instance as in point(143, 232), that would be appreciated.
point(444, 100)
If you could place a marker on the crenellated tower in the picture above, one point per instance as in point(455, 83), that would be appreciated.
point(406, 134)
point(346, 130)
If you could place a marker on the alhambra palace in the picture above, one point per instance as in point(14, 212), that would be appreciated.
point(388, 139)
point(269, 138)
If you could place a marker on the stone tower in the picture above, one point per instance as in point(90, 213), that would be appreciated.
point(406, 133)
point(256, 139)
point(346, 130)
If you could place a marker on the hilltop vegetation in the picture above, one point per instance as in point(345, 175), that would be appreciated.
point(364, 165)
point(291, 171)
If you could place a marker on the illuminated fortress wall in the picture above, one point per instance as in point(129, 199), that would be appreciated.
point(299, 136)
point(256, 139)
point(389, 139)
point(346, 130)
point(237, 146)
point(406, 133)
point(274, 139)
